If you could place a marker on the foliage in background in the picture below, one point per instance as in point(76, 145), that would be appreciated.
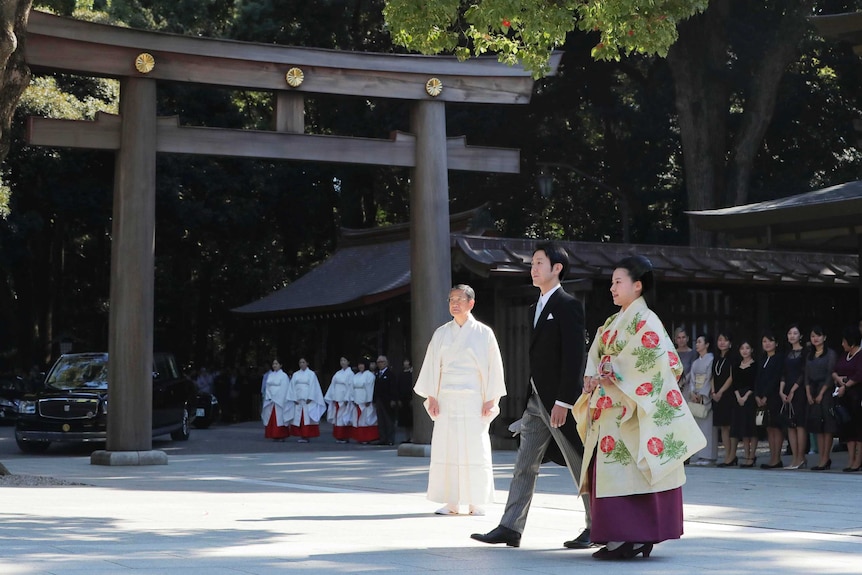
point(526, 31)
point(232, 230)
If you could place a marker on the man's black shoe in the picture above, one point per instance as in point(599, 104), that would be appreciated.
point(499, 534)
point(582, 541)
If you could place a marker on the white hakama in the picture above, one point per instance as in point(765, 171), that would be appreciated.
point(463, 369)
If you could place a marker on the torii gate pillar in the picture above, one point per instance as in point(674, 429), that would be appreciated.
point(130, 325)
point(430, 252)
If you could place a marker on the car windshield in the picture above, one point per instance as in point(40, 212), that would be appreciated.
point(74, 372)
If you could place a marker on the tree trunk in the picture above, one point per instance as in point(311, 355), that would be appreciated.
point(698, 61)
point(781, 50)
point(718, 165)
point(14, 74)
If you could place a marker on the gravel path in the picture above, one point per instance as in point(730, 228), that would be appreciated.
point(33, 481)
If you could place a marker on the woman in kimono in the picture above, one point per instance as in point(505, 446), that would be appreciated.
point(364, 417)
point(340, 408)
point(699, 390)
point(309, 405)
point(276, 411)
point(685, 354)
point(636, 427)
point(462, 379)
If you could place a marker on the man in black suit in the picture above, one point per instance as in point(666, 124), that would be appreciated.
point(557, 351)
point(385, 401)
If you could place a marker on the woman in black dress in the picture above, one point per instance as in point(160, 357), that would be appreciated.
point(742, 427)
point(819, 386)
point(766, 387)
point(722, 396)
point(792, 393)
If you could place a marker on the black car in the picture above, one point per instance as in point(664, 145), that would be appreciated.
point(207, 410)
point(73, 404)
point(12, 389)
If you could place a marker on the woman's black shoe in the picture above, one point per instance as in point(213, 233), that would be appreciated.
point(624, 551)
point(823, 467)
point(852, 469)
point(730, 464)
point(768, 466)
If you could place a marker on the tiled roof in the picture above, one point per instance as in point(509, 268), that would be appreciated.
point(357, 275)
point(829, 219)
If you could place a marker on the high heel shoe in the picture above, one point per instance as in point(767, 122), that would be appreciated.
point(771, 466)
point(802, 465)
point(730, 463)
point(624, 551)
point(823, 467)
point(852, 469)
point(644, 549)
point(752, 461)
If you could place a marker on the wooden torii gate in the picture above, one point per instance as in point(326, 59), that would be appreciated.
point(141, 58)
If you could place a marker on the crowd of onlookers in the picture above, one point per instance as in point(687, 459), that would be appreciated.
point(798, 389)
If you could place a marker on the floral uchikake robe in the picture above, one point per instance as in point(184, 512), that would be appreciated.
point(639, 430)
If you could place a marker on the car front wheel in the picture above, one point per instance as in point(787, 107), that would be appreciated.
point(182, 434)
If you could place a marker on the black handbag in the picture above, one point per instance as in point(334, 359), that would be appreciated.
point(841, 414)
point(787, 415)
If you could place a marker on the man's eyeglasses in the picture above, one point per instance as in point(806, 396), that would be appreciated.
point(458, 299)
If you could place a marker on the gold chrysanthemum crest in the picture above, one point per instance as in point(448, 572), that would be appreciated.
point(294, 77)
point(144, 63)
point(434, 87)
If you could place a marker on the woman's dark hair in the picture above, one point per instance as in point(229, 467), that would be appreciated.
point(816, 330)
point(796, 325)
point(363, 362)
point(639, 269)
point(770, 335)
point(851, 335)
point(556, 255)
point(729, 337)
point(706, 339)
point(746, 341)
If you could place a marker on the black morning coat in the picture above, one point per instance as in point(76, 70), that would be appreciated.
point(557, 353)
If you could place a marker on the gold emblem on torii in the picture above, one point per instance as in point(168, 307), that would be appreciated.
point(145, 63)
point(294, 77)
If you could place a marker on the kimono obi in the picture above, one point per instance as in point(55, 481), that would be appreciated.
point(360, 394)
point(339, 391)
point(301, 390)
point(459, 380)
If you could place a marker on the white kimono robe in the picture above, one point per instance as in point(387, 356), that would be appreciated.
point(304, 392)
point(640, 429)
point(363, 393)
point(275, 384)
point(463, 369)
point(338, 398)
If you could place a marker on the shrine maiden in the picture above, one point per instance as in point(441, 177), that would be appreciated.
point(309, 405)
point(340, 408)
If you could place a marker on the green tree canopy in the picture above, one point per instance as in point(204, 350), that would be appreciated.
point(526, 31)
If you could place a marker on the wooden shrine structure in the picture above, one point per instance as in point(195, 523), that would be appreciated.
point(141, 59)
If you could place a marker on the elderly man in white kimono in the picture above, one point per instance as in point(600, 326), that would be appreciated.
point(309, 405)
point(462, 379)
point(276, 411)
point(340, 408)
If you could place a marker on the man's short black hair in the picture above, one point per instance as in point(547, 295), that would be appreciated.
point(556, 254)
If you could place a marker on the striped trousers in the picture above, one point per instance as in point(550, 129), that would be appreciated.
point(536, 435)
